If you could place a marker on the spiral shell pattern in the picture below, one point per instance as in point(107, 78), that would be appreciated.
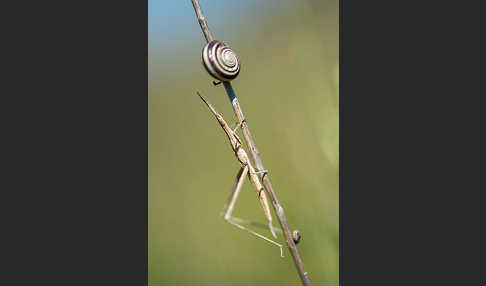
point(220, 61)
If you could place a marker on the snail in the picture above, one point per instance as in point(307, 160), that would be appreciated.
point(296, 236)
point(220, 61)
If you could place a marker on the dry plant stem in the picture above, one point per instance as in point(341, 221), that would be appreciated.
point(202, 21)
point(255, 155)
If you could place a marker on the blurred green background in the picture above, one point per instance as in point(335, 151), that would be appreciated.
point(288, 90)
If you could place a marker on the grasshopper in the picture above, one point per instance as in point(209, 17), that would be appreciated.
point(246, 170)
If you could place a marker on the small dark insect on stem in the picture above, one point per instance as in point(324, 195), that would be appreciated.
point(255, 156)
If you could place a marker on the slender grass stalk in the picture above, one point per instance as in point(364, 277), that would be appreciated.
point(256, 158)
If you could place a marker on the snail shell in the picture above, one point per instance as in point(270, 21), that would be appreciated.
point(296, 236)
point(220, 61)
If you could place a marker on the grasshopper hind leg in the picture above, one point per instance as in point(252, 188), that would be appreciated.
point(228, 209)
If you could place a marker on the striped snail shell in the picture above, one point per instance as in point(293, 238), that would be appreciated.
point(220, 61)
